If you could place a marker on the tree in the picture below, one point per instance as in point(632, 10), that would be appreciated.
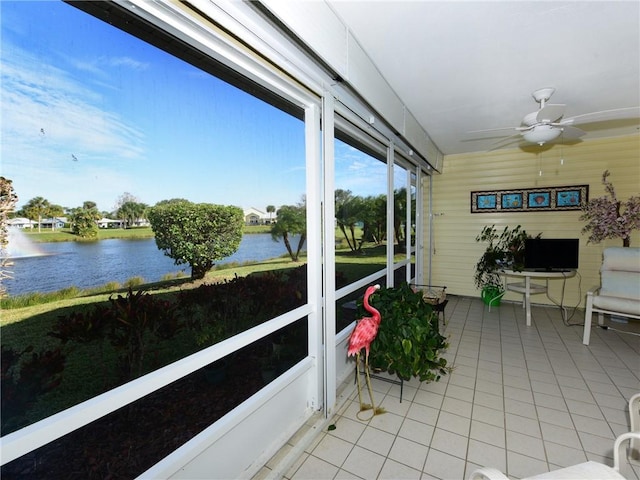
point(131, 212)
point(83, 220)
point(608, 217)
point(36, 208)
point(196, 233)
point(399, 214)
point(124, 198)
point(349, 212)
point(8, 200)
point(291, 221)
point(171, 200)
point(270, 210)
point(374, 217)
point(54, 211)
point(380, 217)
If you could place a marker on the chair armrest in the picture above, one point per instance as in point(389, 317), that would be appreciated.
point(617, 444)
point(634, 418)
point(593, 291)
point(634, 412)
point(488, 473)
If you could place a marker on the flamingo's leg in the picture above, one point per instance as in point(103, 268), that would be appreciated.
point(358, 380)
point(368, 378)
point(363, 406)
point(367, 406)
point(376, 410)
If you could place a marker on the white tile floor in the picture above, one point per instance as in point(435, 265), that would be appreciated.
point(525, 400)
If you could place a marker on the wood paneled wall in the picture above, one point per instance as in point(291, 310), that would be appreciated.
point(454, 249)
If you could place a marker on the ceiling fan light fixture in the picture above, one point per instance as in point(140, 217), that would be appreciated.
point(543, 94)
point(542, 134)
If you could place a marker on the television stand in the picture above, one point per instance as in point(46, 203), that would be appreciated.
point(551, 270)
point(526, 288)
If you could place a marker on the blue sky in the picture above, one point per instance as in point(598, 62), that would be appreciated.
point(89, 112)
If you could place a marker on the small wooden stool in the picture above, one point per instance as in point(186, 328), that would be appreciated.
point(439, 308)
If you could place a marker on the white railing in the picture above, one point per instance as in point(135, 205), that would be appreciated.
point(27, 439)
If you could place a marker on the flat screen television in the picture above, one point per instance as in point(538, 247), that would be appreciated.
point(551, 254)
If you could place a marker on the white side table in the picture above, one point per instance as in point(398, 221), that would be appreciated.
point(526, 288)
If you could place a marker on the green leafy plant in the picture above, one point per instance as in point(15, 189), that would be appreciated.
point(138, 321)
point(24, 380)
point(131, 323)
point(504, 250)
point(409, 343)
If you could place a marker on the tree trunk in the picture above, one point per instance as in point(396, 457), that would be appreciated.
point(626, 241)
point(285, 239)
point(303, 237)
point(346, 236)
point(352, 230)
point(199, 271)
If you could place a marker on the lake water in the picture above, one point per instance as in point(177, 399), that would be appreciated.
point(47, 267)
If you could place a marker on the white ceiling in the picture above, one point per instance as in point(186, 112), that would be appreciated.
point(472, 65)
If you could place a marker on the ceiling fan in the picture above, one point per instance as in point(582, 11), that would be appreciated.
point(547, 124)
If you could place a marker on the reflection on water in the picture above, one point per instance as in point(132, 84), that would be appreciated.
point(58, 265)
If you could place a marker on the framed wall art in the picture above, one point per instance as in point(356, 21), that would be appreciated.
point(549, 199)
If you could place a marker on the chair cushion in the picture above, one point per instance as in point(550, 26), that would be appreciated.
point(621, 284)
point(621, 258)
point(582, 471)
point(617, 304)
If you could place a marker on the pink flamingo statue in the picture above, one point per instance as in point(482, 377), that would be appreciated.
point(363, 334)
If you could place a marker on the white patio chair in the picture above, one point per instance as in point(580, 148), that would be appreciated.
point(582, 471)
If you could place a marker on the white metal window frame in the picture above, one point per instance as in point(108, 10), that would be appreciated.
point(175, 19)
point(262, 58)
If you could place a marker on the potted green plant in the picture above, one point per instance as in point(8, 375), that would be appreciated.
point(408, 343)
point(504, 250)
point(486, 277)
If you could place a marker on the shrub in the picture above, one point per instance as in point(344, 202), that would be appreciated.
point(22, 381)
point(134, 282)
point(131, 323)
point(221, 310)
point(171, 276)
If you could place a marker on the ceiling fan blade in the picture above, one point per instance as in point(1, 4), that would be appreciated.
point(570, 133)
point(550, 113)
point(486, 130)
point(603, 115)
point(505, 142)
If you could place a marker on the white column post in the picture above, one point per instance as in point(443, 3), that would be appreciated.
point(314, 250)
point(328, 252)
